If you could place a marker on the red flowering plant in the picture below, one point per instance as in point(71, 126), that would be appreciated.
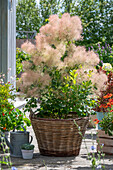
point(107, 122)
point(9, 116)
point(106, 94)
point(96, 121)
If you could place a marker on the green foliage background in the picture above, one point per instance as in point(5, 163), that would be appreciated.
point(20, 57)
point(27, 17)
point(96, 16)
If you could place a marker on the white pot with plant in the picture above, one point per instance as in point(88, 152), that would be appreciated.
point(27, 151)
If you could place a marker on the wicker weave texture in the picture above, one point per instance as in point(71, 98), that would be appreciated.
point(59, 137)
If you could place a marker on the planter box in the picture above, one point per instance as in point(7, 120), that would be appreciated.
point(106, 141)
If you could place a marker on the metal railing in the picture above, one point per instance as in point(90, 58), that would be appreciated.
point(28, 34)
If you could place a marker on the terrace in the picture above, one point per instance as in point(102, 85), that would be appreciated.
point(8, 66)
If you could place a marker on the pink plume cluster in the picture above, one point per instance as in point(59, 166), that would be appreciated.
point(55, 40)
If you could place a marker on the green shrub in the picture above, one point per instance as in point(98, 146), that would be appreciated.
point(27, 146)
point(20, 57)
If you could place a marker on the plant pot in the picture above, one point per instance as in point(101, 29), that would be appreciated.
point(106, 141)
point(100, 116)
point(59, 137)
point(27, 154)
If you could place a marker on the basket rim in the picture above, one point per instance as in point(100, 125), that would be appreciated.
point(48, 119)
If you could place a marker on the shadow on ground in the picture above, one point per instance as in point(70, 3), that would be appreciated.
point(40, 161)
point(55, 163)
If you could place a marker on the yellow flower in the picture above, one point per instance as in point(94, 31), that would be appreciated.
point(107, 67)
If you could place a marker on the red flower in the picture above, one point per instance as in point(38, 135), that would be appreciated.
point(109, 104)
point(9, 112)
point(103, 105)
point(19, 115)
point(110, 100)
point(16, 115)
point(111, 110)
point(95, 120)
point(98, 121)
point(107, 96)
point(4, 128)
point(3, 114)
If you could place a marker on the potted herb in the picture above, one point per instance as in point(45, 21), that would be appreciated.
point(27, 151)
point(64, 78)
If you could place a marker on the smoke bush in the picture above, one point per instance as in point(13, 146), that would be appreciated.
point(55, 49)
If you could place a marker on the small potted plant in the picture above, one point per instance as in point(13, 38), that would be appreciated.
point(27, 151)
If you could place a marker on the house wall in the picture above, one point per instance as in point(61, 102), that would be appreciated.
point(8, 39)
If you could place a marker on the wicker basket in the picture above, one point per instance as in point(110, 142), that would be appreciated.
point(57, 137)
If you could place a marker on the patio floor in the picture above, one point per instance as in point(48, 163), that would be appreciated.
point(80, 162)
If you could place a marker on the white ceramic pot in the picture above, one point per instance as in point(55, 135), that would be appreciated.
point(27, 154)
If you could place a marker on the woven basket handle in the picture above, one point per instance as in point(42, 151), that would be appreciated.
point(31, 114)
